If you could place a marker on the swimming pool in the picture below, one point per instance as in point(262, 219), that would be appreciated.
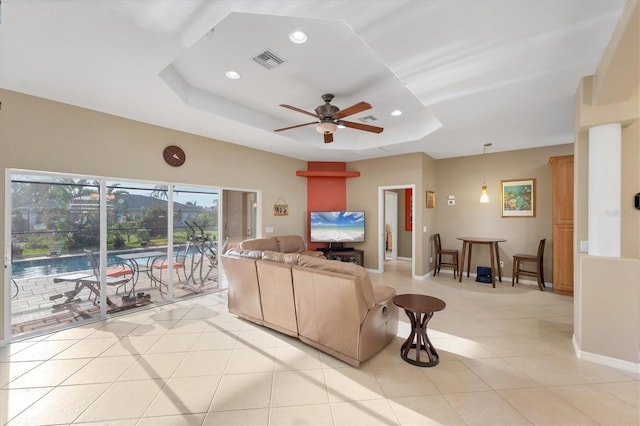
point(31, 268)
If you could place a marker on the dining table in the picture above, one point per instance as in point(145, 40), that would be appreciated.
point(467, 244)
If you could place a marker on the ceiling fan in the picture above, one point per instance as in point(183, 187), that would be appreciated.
point(330, 117)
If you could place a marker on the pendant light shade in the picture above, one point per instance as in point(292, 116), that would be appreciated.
point(484, 198)
point(326, 127)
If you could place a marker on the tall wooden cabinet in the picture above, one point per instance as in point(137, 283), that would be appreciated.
point(562, 218)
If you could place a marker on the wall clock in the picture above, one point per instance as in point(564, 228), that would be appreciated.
point(174, 155)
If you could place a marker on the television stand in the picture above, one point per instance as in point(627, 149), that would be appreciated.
point(345, 255)
point(334, 249)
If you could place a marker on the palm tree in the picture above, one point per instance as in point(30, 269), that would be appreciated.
point(159, 191)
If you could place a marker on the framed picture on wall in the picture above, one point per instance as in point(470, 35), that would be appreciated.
point(280, 208)
point(518, 198)
point(431, 199)
point(408, 202)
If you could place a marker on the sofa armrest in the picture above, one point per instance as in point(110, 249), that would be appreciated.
point(243, 296)
point(381, 324)
point(316, 253)
point(383, 295)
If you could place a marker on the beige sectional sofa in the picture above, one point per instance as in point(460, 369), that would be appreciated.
point(327, 304)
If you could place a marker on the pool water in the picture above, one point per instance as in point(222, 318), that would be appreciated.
point(56, 265)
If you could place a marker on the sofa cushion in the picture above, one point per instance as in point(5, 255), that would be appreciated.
point(276, 256)
point(253, 254)
point(276, 292)
point(290, 244)
point(348, 268)
point(260, 244)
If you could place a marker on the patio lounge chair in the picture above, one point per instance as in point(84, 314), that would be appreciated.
point(91, 280)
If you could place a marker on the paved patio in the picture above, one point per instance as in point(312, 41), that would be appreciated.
point(32, 308)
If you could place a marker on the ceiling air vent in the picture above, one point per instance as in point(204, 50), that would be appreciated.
point(372, 152)
point(268, 59)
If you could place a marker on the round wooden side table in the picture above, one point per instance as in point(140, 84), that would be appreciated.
point(419, 308)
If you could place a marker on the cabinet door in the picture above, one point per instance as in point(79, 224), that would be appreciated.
point(562, 181)
point(563, 191)
point(563, 258)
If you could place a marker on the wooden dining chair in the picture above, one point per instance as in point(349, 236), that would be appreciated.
point(451, 260)
point(538, 273)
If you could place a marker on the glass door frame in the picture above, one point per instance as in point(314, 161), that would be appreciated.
point(7, 336)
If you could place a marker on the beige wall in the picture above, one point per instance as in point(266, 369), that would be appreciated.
point(429, 183)
point(610, 300)
point(42, 135)
point(37, 134)
point(630, 220)
point(606, 289)
point(362, 193)
point(462, 177)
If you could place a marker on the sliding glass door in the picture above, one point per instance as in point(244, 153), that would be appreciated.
point(83, 248)
point(54, 219)
point(137, 241)
point(196, 240)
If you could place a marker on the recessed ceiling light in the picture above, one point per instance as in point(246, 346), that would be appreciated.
point(233, 75)
point(298, 37)
point(396, 112)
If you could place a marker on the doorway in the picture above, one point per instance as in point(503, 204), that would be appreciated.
point(240, 220)
point(382, 211)
point(391, 225)
point(239, 216)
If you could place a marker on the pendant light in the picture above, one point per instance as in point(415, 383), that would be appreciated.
point(484, 198)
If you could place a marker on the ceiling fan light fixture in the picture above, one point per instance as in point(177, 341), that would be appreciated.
point(326, 127)
point(328, 118)
point(298, 37)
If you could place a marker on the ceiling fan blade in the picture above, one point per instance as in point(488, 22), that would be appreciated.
point(365, 127)
point(328, 137)
point(293, 127)
point(298, 109)
point(353, 109)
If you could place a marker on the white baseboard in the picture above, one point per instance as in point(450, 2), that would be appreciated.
point(504, 279)
point(605, 360)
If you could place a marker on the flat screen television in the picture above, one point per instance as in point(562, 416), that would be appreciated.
point(337, 227)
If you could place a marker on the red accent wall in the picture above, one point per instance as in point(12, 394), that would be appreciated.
point(325, 193)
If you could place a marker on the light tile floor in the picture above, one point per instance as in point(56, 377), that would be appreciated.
point(505, 358)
